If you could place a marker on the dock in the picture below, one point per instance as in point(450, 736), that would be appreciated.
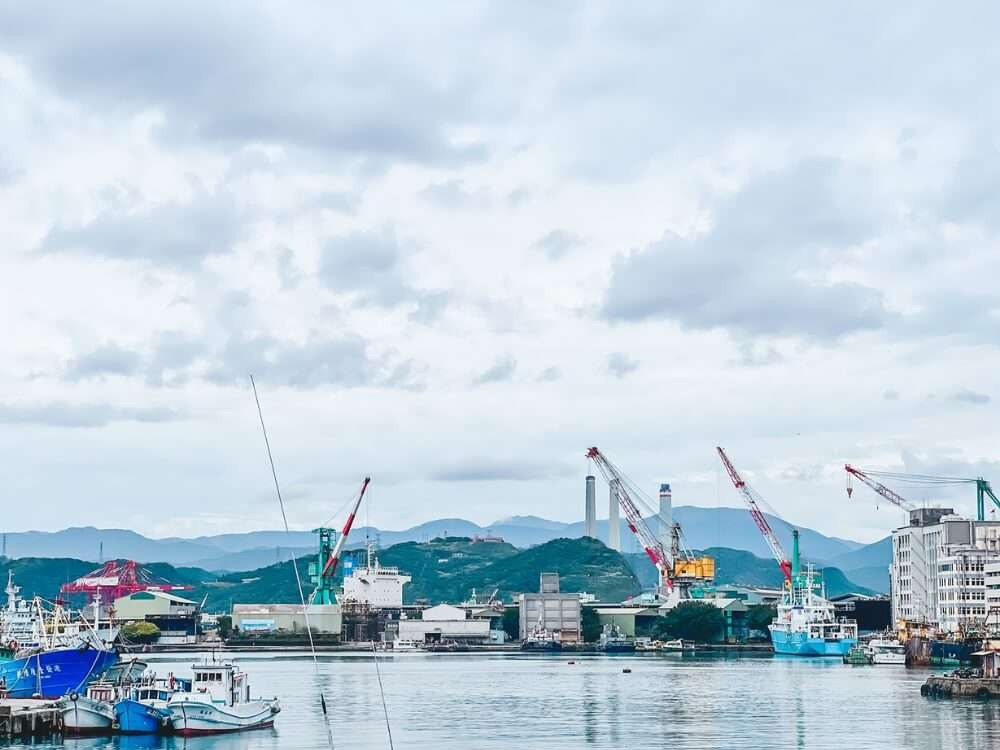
point(28, 717)
point(949, 686)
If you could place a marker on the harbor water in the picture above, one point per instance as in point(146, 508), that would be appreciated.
point(539, 701)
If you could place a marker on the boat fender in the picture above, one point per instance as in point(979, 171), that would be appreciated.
point(74, 696)
point(275, 709)
point(983, 693)
point(924, 690)
point(626, 671)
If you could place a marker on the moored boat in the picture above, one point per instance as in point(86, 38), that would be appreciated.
point(614, 641)
point(219, 702)
point(886, 651)
point(53, 673)
point(144, 709)
point(89, 713)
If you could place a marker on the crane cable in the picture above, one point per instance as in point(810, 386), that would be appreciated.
point(295, 567)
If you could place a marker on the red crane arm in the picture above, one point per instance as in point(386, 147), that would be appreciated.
point(331, 564)
point(652, 546)
point(751, 497)
point(893, 497)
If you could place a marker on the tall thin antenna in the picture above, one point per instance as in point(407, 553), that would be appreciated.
point(298, 578)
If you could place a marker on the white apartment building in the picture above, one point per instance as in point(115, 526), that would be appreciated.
point(962, 587)
point(938, 567)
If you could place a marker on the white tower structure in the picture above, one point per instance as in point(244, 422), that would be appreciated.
point(666, 518)
point(590, 509)
point(614, 528)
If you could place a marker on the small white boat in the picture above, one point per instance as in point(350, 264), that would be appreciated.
point(219, 701)
point(886, 651)
point(405, 644)
point(90, 713)
point(676, 645)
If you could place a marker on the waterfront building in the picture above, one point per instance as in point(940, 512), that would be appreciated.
point(552, 610)
point(445, 624)
point(872, 613)
point(962, 587)
point(919, 549)
point(287, 618)
point(176, 617)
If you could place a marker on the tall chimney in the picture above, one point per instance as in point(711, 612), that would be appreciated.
point(666, 518)
point(614, 529)
point(590, 509)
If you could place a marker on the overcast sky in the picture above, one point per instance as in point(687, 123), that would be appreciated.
point(457, 245)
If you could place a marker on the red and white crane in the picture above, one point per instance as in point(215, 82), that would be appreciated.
point(893, 497)
point(331, 564)
point(753, 501)
point(627, 498)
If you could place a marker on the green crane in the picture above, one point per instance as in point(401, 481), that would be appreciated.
point(983, 488)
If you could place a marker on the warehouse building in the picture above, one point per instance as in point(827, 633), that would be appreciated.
point(287, 618)
point(176, 617)
point(445, 624)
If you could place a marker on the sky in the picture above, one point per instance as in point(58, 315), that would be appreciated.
point(457, 244)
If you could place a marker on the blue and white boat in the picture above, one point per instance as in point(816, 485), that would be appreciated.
point(806, 624)
point(144, 710)
point(49, 656)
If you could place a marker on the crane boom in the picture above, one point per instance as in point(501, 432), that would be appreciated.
point(652, 546)
point(751, 498)
point(331, 564)
point(893, 497)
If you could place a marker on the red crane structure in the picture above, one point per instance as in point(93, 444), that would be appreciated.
point(118, 578)
point(893, 497)
point(627, 495)
point(752, 499)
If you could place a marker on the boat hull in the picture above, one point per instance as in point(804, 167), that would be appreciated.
point(86, 716)
point(799, 644)
point(55, 673)
point(199, 717)
point(133, 717)
point(953, 652)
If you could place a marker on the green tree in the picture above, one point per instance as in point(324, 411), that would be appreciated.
point(590, 625)
point(512, 622)
point(759, 616)
point(141, 632)
point(225, 626)
point(694, 621)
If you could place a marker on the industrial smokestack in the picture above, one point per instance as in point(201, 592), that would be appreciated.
point(590, 509)
point(666, 519)
point(614, 529)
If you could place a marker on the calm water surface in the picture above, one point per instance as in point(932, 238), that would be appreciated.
point(512, 701)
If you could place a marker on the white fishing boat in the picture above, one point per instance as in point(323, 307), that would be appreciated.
point(677, 644)
point(886, 651)
point(219, 701)
point(92, 712)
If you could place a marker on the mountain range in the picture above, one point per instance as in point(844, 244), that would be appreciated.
point(702, 528)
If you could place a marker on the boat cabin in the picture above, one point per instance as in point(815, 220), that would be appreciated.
point(225, 683)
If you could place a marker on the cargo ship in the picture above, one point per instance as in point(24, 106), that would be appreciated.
point(806, 624)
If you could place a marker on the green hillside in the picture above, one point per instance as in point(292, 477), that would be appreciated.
point(446, 570)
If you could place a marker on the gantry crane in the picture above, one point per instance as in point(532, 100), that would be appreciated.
point(983, 488)
point(753, 500)
point(325, 566)
point(673, 565)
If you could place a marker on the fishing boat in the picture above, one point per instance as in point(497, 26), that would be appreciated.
point(219, 701)
point(857, 656)
point(406, 644)
point(48, 654)
point(886, 651)
point(614, 641)
point(90, 713)
point(144, 709)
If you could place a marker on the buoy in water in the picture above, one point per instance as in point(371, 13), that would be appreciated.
point(626, 671)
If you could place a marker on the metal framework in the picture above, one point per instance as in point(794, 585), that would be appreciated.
point(118, 578)
point(893, 497)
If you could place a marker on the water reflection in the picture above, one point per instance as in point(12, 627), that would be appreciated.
point(487, 702)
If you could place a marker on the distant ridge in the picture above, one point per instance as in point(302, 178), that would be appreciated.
point(703, 527)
